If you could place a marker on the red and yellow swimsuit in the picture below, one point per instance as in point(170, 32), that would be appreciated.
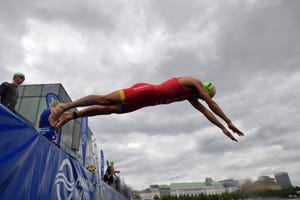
point(143, 94)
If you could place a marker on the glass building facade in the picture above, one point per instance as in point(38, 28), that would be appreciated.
point(283, 179)
point(32, 102)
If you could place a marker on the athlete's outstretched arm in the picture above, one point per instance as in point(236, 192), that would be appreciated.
point(211, 117)
point(215, 107)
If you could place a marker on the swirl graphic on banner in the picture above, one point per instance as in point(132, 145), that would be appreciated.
point(64, 182)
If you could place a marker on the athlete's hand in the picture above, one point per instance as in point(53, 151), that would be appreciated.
point(235, 129)
point(228, 134)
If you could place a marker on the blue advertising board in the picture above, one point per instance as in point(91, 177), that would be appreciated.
point(84, 137)
point(101, 163)
point(31, 167)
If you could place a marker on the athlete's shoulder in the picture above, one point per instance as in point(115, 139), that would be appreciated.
point(189, 80)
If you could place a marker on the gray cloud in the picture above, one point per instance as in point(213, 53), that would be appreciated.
point(249, 49)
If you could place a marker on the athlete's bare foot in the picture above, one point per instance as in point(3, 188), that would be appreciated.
point(56, 113)
point(235, 129)
point(228, 134)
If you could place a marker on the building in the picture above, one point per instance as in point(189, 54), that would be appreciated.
point(283, 179)
point(177, 189)
point(32, 102)
point(146, 194)
point(154, 191)
point(208, 180)
point(187, 188)
point(230, 185)
point(215, 188)
point(164, 190)
point(247, 185)
point(265, 183)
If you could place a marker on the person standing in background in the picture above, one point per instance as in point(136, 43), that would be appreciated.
point(9, 91)
point(109, 174)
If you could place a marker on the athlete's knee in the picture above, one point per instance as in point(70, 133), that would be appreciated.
point(98, 100)
point(116, 109)
point(109, 109)
point(112, 98)
point(106, 100)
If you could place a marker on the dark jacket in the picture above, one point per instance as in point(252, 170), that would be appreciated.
point(9, 95)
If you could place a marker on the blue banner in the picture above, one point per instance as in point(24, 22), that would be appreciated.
point(49, 98)
point(84, 137)
point(33, 168)
point(102, 163)
point(107, 163)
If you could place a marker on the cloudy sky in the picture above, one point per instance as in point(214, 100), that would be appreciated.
point(250, 49)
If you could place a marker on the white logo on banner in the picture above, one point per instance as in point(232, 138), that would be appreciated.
point(70, 188)
point(62, 180)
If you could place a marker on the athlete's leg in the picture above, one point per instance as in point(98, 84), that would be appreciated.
point(89, 111)
point(109, 99)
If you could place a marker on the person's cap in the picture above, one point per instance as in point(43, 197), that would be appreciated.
point(91, 168)
point(54, 103)
point(19, 74)
point(210, 89)
point(111, 162)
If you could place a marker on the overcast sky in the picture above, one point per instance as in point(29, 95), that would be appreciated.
point(250, 49)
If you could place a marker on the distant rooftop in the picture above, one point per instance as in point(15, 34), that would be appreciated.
point(163, 186)
point(187, 185)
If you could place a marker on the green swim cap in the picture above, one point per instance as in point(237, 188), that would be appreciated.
point(111, 162)
point(210, 89)
point(54, 103)
point(19, 74)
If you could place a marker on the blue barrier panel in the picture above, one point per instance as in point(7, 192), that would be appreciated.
point(33, 168)
point(108, 193)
